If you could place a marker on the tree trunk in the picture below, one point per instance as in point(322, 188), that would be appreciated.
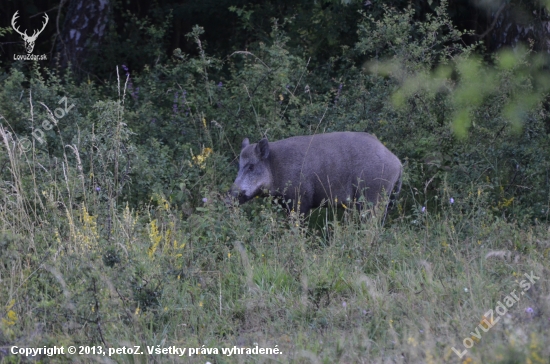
point(517, 22)
point(85, 26)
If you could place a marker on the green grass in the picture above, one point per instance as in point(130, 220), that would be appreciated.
point(347, 291)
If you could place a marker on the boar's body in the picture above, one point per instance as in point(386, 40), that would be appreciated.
point(340, 166)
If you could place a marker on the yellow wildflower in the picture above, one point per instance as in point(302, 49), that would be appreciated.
point(11, 316)
point(201, 158)
point(155, 237)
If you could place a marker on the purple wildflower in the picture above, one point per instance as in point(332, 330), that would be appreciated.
point(423, 208)
point(338, 94)
point(175, 106)
point(204, 199)
point(220, 85)
point(98, 189)
point(133, 91)
point(184, 102)
point(452, 200)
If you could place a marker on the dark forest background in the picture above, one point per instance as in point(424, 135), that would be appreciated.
point(118, 32)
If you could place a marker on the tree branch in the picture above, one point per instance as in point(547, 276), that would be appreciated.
point(494, 21)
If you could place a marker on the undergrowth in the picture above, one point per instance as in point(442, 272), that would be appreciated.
point(113, 229)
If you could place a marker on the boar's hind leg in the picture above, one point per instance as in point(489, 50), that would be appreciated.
point(392, 200)
point(395, 194)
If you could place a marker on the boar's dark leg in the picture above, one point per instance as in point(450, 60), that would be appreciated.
point(392, 202)
point(301, 204)
point(305, 206)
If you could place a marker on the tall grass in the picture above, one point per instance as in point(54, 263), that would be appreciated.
point(77, 270)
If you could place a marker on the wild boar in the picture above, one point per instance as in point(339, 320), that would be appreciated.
point(311, 170)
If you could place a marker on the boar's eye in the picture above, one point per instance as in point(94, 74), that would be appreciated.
point(251, 168)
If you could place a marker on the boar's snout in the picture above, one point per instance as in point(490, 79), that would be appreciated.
point(236, 193)
point(228, 199)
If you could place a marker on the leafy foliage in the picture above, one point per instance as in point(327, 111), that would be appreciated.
point(114, 229)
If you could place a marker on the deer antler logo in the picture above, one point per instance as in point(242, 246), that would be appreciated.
point(29, 41)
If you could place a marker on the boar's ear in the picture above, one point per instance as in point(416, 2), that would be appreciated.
point(262, 149)
point(245, 143)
